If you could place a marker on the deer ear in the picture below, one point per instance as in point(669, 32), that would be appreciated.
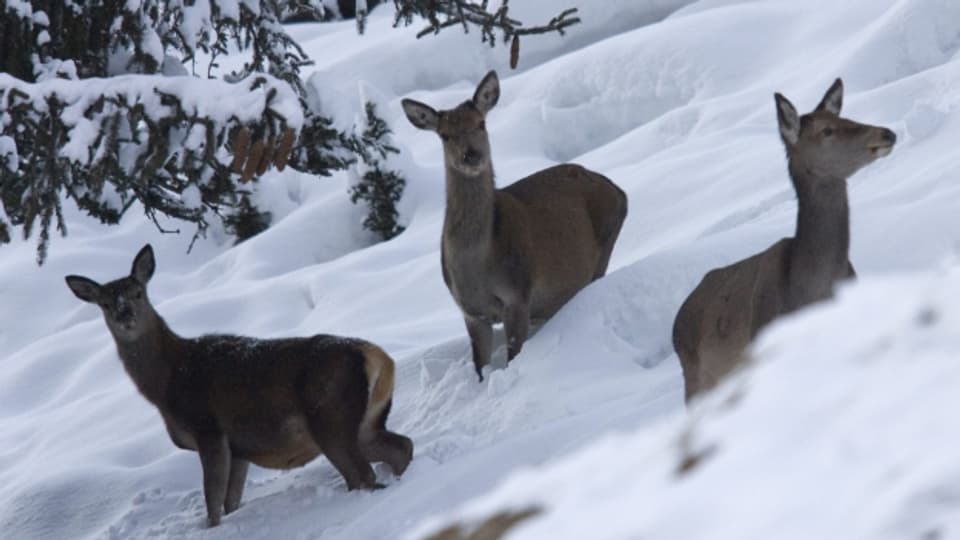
point(488, 93)
point(833, 100)
point(787, 119)
point(85, 289)
point(420, 115)
point(143, 265)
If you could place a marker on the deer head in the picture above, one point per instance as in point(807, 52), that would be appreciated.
point(462, 130)
point(124, 301)
point(825, 145)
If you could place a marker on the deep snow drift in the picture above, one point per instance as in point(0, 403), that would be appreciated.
point(673, 101)
point(838, 430)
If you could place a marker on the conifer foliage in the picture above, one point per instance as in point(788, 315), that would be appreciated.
point(442, 14)
point(88, 113)
point(378, 186)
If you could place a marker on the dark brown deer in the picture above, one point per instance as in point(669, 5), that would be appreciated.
point(519, 253)
point(277, 403)
point(732, 304)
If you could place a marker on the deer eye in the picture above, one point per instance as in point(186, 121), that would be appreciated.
point(483, 125)
point(827, 131)
point(444, 138)
point(138, 295)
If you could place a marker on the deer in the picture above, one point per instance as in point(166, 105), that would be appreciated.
point(723, 314)
point(236, 400)
point(517, 254)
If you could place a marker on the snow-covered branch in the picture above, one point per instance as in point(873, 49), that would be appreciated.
point(441, 14)
point(106, 143)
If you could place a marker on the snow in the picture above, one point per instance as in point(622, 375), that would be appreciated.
point(21, 8)
point(196, 21)
point(8, 153)
point(191, 197)
point(840, 431)
point(836, 431)
point(40, 18)
point(152, 45)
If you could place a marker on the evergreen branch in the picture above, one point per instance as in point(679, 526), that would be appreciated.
point(165, 157)
point(442, 14)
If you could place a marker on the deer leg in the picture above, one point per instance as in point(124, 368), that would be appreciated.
point(350, 463)
point(481, 342)
point(388, 447)
point(379, 444)
point(336, 420)
point(401, 451)
point(337, 432)
point(516, 323)
point(215, 461)
point(238, 476)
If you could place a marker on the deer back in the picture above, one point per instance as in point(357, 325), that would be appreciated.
point(562, 215)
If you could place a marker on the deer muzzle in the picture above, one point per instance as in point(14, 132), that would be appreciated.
point(884, 146)
point(472, 158)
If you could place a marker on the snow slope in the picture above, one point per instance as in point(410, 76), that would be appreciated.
point(670, 99)
point(838, 430)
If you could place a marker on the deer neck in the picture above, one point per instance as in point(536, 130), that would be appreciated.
point(468, 220)
point(147, 359)
point(820, 250)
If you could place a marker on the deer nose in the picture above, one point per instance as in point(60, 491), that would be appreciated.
point(471, 157)
point(888, 136)
point(124, 310)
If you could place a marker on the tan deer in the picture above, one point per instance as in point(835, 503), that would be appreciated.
point(732, 304)
point(519, 253)
point(277, 403)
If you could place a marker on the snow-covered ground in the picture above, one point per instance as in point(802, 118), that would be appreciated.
point(840, 430)
point(843, 431)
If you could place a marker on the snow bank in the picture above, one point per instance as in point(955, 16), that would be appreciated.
point(839, 429)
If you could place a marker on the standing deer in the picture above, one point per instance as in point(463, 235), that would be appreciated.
point(732, 304)
point(519, 253)
point(277, 403)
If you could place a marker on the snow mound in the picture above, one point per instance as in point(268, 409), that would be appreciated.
point(840, 428)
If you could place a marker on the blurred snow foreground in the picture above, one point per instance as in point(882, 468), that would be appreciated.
point(842, 428)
